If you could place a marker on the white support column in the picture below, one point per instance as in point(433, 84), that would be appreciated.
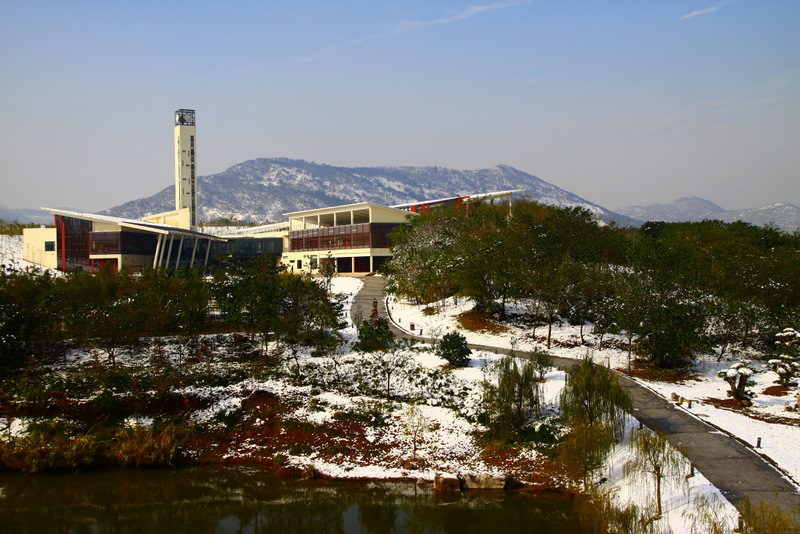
point(180, 250)
point(161, 254)
point(194, 251)
point(208, 251)
point(169, 250)
point(158, 250)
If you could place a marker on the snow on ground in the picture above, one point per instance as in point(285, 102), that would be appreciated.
point(779, 441)
point(449, 444)
point(11, 249)
point(779, 434)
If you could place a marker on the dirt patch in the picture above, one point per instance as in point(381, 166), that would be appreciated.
point(646, 371)
point(729, 404)
point(776, 391)
point(480, 321)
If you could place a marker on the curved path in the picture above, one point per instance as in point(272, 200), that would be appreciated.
point(735, 469)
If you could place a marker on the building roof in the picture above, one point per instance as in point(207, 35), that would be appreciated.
point(344, 207)
point(134, 224)
point(264, 228)
point(479, 196)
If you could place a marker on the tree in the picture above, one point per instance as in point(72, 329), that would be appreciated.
point(584, 450)
point(453, 348)
point(763, 518)
point(103, 309)
point(246, 294)
point(374, 335)
point(516, 399)
point(327, 270)
point(416, 425)
point(738, 378)
point(595, 407)
point(304, 316)
point(28, 316)
point(376, 338)
point(593, 397)
point(423, 266)
point(653, 454)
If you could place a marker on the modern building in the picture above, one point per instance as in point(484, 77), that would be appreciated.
point(354, 236)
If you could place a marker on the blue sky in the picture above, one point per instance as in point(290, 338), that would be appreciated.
point(621, 102)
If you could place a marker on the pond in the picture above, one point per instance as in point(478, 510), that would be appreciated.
point(245, 499)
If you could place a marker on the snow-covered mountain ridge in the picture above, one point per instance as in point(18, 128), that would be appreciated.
point(692, 209)
point(264, 189)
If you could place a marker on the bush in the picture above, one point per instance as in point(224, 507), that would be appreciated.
point(374, 336)
point(453, 348)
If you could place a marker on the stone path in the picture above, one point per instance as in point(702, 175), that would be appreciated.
point(736, 469)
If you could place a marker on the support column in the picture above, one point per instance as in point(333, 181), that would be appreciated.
point(180, 250)
point(161, 255)
point(208, 251)
point(169, 250)
point(194, 251)
point(158, 250)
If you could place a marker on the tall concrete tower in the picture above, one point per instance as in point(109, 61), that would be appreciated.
point(185, 156)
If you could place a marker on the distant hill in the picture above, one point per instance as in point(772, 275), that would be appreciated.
point(783, 216)
point(262, 190)
point(26, 215)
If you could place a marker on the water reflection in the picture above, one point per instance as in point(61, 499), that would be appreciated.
point(225, 499)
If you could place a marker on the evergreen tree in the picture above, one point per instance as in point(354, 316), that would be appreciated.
point(453, 348)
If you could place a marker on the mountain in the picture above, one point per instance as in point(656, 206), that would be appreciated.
point(26, 215)
point(693, 209)
point(264, 189)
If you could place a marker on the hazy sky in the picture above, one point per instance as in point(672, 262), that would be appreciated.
point(620, 102)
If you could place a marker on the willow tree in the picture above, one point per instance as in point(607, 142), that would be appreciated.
point(517, 398)
point(653, 454)
point(595, 407)
point(593, 397)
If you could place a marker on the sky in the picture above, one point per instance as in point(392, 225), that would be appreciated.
point(621, 102)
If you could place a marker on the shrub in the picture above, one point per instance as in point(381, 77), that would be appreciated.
point(453, 348)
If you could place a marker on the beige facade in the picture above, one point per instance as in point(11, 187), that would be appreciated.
point(178, 218)
point(185, 164)
point(353, 236)
point(40, 246)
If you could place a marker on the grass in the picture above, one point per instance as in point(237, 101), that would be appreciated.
point(480, 321)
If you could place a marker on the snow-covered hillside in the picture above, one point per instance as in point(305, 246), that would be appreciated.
point(264, 189)
point(693, 209)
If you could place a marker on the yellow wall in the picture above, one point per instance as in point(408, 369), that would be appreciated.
point(34, 252)
point(178, 218)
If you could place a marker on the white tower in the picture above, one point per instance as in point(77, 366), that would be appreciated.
point(185, 174)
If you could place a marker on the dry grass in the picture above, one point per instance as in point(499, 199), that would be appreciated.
point(480, 321)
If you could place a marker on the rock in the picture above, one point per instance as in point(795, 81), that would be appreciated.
point(422, 483)
point(446, 483)
point(289, 471)
point(483, 481)
point(411, 464)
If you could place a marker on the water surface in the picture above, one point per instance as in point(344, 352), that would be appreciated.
point(236, 499)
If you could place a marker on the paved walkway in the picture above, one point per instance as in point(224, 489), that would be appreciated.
point(737, 470)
